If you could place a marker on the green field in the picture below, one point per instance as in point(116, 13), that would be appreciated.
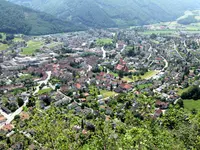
point(146, 76)
point(181, 91)
point(142, 86)
point(106, 93)
point(26, 76)
point(102, 42)
point(31, 48)
point(3, 36)
point(3, 47)
point(192, 104)
point(43, 91)
point(18, 39)
point(149, 74)
point(114, 74)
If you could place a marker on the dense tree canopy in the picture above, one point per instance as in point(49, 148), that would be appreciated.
point(19, 19)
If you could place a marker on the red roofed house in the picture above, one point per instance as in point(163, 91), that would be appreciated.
point(121, 66)
point(158, 113)
point(126, 87)
point(8, 127)
point(78, 86)
point(2, 119)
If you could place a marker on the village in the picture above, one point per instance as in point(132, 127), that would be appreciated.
point(90, 69)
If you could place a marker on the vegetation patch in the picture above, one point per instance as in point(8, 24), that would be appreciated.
point(192, 104)
point(43, 91)
point(143, 86)
point(3, 47)
point(32, 47)
point(103, 42)
point(106, 93)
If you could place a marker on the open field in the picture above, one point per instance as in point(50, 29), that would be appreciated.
point(18, 39)
point(3, 47)
point(102, 42)
point(181, 91)
point(106, 93)
point(192, 104)
point(146, 76)
point(43, 91)
point(31, 48)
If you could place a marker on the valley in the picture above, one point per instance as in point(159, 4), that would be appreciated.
point(146, 71)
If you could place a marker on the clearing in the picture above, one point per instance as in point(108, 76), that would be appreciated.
point(32, 47)
point(192, 104)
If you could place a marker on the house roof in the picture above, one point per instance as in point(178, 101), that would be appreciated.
point(24, 116)
point(78, 85)
point(7, 127)
point(126, 86)
point(2, 118)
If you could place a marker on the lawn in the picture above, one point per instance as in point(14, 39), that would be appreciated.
point(149, 74)
point(3, 47)
point(43, 91)
point(3, 36)
point(18, 39)
point(114, 74)
point(26, 76)
point(146, 76)
point(106, 93)
point(142, 86)
point(181, 91)
point(31, 48)
point(192, 104)
point(102, 42)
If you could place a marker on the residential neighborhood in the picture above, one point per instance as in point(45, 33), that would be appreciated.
point(87, 71)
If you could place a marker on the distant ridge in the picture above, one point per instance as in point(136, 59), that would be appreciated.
point(113, 13)
point(19, 19)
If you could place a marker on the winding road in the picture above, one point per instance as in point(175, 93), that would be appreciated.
point(104, 52)
point(11, 117)
point(41, 82)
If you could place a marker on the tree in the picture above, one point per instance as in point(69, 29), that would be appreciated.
point(20, 102)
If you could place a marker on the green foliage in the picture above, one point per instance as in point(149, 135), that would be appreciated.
point(18, 19)
point(56, 128)
point(192, 93)
point(109, 13)
point(32, 47)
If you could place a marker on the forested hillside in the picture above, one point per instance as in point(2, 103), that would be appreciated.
point(109, 13)
point(19, 19)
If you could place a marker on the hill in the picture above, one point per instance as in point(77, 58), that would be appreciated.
point(19, 19)
point(113, 13)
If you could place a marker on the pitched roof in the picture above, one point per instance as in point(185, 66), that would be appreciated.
point(126, 86)
point(78, 85)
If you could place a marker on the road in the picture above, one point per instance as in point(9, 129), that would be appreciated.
point(11, 117)
point(166, 64)
point(124, 47)
point(89, 68)
point(149, 56)
point(104, 52)
point(41, 82)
